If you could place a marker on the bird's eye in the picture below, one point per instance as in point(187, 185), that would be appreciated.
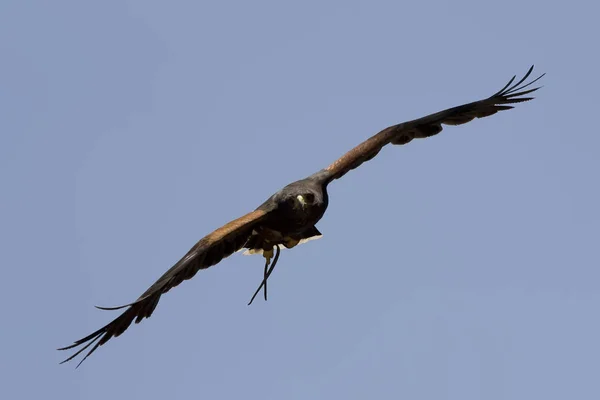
point(309, 197)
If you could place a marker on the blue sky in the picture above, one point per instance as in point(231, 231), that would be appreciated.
point(464, 266)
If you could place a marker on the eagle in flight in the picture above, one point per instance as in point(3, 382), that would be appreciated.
point(288, 217)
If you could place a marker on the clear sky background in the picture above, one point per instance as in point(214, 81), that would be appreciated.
point(464, 266)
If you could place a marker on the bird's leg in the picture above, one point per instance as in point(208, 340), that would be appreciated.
point(267, 271)
point(267, 262)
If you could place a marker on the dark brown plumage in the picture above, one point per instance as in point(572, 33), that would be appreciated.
point(288, 217)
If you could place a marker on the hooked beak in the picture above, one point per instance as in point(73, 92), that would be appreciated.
point(301, 201)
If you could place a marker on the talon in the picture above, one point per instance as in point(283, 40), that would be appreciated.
point(268, 254)
point(289, 242)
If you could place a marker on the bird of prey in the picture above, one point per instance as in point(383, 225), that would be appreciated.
point(288, 217)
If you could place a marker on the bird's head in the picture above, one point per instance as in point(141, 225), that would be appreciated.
point(305, 196)
point(304, 200)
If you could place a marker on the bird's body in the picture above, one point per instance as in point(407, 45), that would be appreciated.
point(289, 216)
point(298, 207)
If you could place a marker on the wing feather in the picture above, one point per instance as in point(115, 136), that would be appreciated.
point(432, 125)
point(207, 252)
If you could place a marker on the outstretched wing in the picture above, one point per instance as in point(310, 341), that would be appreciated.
point(431, 125)
point(207, 252)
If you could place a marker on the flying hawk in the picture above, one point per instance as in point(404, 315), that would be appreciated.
point(288, 217)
